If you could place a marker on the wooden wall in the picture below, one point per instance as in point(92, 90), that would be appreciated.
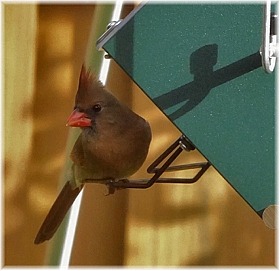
point(206, 223)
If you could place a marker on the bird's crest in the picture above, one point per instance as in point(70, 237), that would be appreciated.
point(86, 78)
point(88, 85)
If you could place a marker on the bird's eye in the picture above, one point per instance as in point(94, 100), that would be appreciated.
point(97, 108)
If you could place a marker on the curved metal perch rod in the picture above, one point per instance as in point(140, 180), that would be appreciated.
point(170, 154)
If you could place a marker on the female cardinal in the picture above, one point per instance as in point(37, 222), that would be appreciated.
point(113, 145)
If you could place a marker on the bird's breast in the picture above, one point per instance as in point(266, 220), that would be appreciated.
point(116, 157)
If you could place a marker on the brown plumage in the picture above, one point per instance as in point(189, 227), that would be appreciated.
point(113, 145)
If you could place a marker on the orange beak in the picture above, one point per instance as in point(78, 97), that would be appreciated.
point(78, 119)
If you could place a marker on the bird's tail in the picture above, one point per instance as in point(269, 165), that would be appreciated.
point(57, 212)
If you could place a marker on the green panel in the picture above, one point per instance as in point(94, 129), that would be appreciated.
point(201, 66)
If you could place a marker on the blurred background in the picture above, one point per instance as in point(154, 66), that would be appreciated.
point(206, 223)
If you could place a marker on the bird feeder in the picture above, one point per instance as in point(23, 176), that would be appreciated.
point(209, 69)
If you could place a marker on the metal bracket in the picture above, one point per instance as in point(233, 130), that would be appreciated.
point(269, 48)
point(109, 29)
point(115, 26)
point(170, 154)
point(104, 37)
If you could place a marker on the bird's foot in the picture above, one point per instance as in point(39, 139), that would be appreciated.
point(112, 187)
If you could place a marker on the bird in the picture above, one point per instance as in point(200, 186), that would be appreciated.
point(113, 144)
